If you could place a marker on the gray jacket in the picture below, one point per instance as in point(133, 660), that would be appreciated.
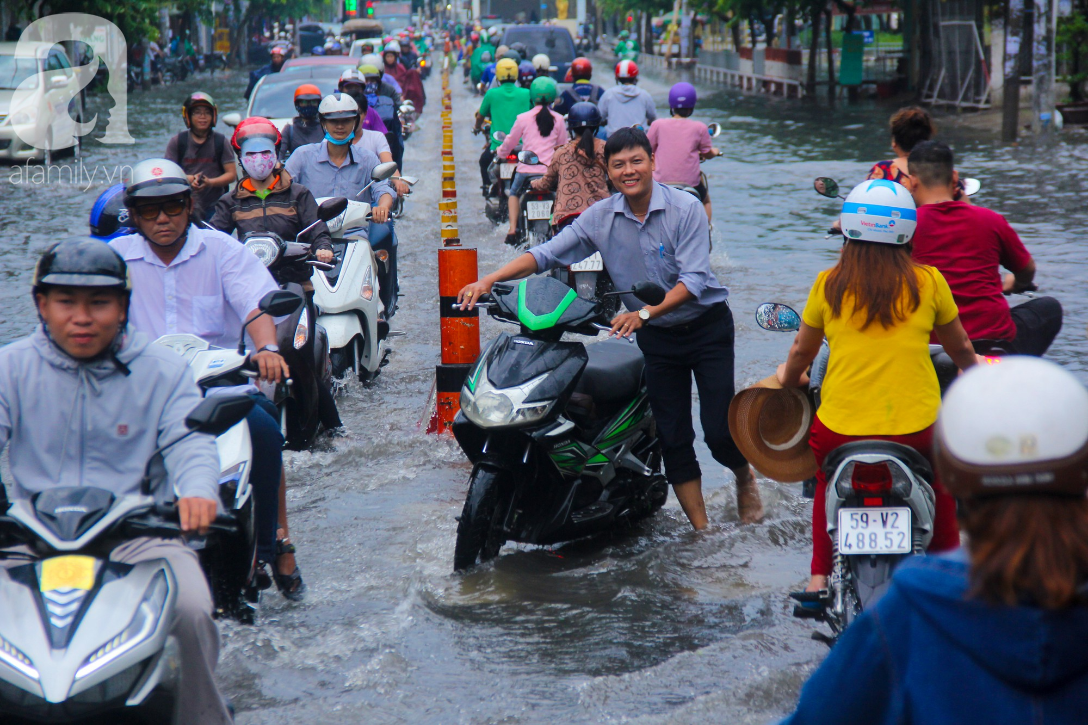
point(626, 105)
point(88, 424)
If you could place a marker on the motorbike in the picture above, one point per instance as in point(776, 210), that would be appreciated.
point(407, 115)
point(561, 438)
point(880, 503)
point(502, 175)
point(302, 341)
point(232, 566)
point(826, 186)
point(347, 293)
point(715, 130)
point(534, 225)
point(398, 206)
point(82, 637)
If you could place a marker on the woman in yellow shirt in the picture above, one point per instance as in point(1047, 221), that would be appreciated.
point(877, 308)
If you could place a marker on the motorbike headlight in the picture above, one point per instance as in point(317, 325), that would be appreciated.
point(16, 660)
point(490, 408)
point(265, 250)
point(141, 627)
point(233, 474)
point(367, 289)
point(302, 329)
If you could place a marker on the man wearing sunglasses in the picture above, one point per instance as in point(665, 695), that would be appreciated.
point(192, 280)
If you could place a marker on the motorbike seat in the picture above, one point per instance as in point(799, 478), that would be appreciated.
point(914, 460)
point(613, 373)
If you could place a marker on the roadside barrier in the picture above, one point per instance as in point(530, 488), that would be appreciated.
point(457, 266)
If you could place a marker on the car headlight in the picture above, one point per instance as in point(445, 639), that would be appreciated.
point(265, 250)
point(367, 289)
point(302, 329)
point(25, 117)
point(141, 627)
point(16, 660)
point(488, 407)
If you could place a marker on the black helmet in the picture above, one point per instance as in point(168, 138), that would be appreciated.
point(583, 115)
point(109, 215)
point(82, 262)
point(520, 49)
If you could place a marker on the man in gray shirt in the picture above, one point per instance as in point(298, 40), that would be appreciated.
point(653, 232)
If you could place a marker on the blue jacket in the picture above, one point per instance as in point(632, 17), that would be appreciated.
point(925, 654)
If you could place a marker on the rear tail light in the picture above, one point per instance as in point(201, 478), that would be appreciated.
point(512, 158)
point(871, 478)
point(991, 360)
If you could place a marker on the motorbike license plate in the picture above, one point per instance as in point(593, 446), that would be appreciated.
point(538, 209)
point(874, 531)
point(506, 171)
point(67, 572)
point(592, 263)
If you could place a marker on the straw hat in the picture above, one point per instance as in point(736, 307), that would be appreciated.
point(770, 425)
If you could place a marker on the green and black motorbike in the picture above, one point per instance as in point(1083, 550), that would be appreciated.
point(561, 437)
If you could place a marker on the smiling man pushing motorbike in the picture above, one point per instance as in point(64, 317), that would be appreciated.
point(651, 231)
point(85, 401)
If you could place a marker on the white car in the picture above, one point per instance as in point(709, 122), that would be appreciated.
point(357, 46)
point(56, 95)
point(274, 95)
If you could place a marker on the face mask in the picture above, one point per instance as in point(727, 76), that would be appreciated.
point(372, 88)
point(259, 165)
point(342, 142)
point(307, 112)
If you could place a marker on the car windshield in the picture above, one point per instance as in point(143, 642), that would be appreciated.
point(14, 71)
point(277, 100)
point(553, 42)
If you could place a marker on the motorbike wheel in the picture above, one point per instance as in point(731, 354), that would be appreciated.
point(479, 533)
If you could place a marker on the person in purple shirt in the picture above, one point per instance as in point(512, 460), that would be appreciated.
point(650, 231)
point(680, 143)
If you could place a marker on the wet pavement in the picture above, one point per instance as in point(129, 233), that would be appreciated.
point(657, 624)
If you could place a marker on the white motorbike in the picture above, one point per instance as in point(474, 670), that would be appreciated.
point(346, 296)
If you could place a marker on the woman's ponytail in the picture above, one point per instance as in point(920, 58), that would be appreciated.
point(585, 143)
point(545, 121)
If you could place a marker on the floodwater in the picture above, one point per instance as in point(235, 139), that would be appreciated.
point(653, 625)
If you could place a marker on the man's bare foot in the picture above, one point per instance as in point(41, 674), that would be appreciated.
point(816, 583)
point(749, 503)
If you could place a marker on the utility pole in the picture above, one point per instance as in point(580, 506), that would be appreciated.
point(1042, 98)
point(1014, 28)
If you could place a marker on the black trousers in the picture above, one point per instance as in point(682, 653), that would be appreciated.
point(703, 348)
point(485, 163)
point(1038, 322)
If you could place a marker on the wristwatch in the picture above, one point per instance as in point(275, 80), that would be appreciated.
point(644, 314)
point(270, 348)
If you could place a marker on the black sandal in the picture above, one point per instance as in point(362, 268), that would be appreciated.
point(290, 585)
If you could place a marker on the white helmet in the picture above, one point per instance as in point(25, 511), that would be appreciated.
point(392, 47)
point(371, 59)
point(352, 75)
point(879, 211)
point(156, 178)
point(337, 105)
point(542, 62)
point(1017, 426)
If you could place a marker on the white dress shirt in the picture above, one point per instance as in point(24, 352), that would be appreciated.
point(208, 290)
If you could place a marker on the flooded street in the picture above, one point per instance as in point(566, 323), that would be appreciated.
point(653, 625)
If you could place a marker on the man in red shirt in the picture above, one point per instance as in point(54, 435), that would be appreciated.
point(969, 245)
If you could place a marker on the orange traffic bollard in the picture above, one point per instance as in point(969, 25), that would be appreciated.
point(457, 267)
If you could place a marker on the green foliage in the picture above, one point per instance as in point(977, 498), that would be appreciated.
point(1072, 44)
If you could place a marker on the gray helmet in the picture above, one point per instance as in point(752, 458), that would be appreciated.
point(82, 262)
point(155, 179)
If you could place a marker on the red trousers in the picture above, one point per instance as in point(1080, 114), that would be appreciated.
point(822, 440)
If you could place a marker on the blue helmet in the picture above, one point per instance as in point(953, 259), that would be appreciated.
point(583, 115)
point(109, 215)
point(318, 50)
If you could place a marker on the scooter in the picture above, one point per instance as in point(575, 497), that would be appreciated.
point(347, 294)
point(826, 186)
point(302, 341)
point(880, 503)
point(398, 206)
point(232, 566)
point(535, 220)
point(82, 637)
point(501, 171)
point(560, 434)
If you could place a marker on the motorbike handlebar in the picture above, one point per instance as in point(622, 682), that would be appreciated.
point(169, 515)
point(606, 328)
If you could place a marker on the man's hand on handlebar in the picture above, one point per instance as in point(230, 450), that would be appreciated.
point(470, 293)
point(401, 187)
point(271, 365)
point(196, 514)
point(623, 325)
point(324, 255)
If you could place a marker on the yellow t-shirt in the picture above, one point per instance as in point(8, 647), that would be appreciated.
point(881, 381)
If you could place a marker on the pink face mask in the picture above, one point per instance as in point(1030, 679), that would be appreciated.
point(259, 165)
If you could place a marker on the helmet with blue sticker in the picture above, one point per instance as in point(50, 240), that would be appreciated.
point(879, 211)
point(109, 215)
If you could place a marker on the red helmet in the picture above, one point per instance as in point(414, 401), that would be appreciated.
point(254, 126)
point(627, 70)
point(582, 69)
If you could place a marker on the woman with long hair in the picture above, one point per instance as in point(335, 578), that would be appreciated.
point(539, 130)
point(994, 632)
point(576, 173)
point(877, 308)
point(909, 127)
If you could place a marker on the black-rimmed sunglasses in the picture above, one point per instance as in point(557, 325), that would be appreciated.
point(150, 212)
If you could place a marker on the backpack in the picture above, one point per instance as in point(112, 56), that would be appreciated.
point(217, 138)
point(384, 107)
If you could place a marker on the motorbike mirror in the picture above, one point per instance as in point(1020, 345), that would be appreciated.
point(219, 413)
point(232, 119)
point(825, 186)
point(715, 130)
point(279, 303)
point(499, 136)
point(332, 208)
point(971, 186)
point(648, 292)
point(777, 318)
point(528, 157)
point(384, 171)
